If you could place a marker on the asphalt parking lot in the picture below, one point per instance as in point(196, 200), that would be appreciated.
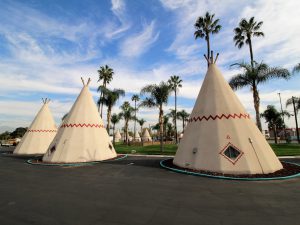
point(136, 191)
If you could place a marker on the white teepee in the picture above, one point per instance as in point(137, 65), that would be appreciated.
point(146, 136)
point(82, 137)
point(40, 133)
point(137, 137)
point(118, 136)
point(220, 135)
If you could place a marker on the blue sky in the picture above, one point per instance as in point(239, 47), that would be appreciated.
point(46, 46)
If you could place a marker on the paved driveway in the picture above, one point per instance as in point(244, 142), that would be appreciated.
point(136, 191)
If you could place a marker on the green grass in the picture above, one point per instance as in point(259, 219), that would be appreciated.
point(170, 149)
point(286, 149)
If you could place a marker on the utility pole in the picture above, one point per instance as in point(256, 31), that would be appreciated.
point(295, 113)
point(285, 136)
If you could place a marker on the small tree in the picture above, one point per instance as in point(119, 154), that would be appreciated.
point(158, 96)
point(115, 118)
point(274, 119)
point(127, 114)
point(183, 115)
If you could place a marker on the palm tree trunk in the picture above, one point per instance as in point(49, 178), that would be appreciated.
point(134, 129)
point(104, 85)
point(275, 133)
point(161, 127)
point(256, 101)
point(100, 103)
point(114, 134)
point(251, 51)
point(208, 49)
point(126, 130)
point(176, 117)
point(108, 119)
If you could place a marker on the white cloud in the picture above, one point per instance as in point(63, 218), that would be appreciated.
point(138, 44)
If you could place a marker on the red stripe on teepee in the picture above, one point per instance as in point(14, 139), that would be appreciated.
point(82, 125)
point(222, 116)
point(41, 130)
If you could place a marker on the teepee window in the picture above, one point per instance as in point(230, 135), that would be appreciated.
point(231, 153)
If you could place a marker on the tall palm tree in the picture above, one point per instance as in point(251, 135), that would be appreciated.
point(175, 84)
point(158, 96)
point(296, 69)
point(254, 75)
point(245, 31)
point(183, 115)
point(127, 115)
point(274, 119)
point(297, 103)
point(109, 99)
point(106, 75)
point(115, 118)
point(204, 27)
point(141, 123)
point(135, 98)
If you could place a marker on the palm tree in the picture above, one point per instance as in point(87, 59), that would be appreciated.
point(127, 115)
point(115, 118)
point(135, 98)
point(141, 123)
point(110, 98)
point(297, 103)
point(244, 32)
point(183, 115)
point(274, 119)
point(296, 69)
point(254, 75)
point(106, 74)
point(204, 27)
point(175, 84)
point(158, 96)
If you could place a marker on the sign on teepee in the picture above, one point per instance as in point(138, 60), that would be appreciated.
point(39, 134)
point(220, 135)
point(82, 136)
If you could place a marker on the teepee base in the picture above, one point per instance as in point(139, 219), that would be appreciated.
point(40, 162)
point(290, 170)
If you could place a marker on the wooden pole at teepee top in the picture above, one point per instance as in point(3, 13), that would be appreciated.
point(82, 81)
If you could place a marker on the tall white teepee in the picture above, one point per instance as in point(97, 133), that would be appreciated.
point(40, 133)
point(117, 136)
point(220, 135)
point(146, 136)
point(82, 136)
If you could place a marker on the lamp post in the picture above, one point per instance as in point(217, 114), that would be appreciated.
point(295, 113)
point(285, 136)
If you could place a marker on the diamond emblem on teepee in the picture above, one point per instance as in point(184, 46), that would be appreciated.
point(231, 153)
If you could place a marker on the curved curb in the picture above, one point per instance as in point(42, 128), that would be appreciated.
point(74, 164)
point(228, 178)
point(113, 160)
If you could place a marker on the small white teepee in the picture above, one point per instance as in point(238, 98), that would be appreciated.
point(40, 133)
point(118, 136)
point(137, 137)
point(146, 136)
point(220, 135)
point(82, 136)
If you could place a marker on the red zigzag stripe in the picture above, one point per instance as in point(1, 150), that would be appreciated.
point(223, 116)
point(41, 130)
point(82, 125)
